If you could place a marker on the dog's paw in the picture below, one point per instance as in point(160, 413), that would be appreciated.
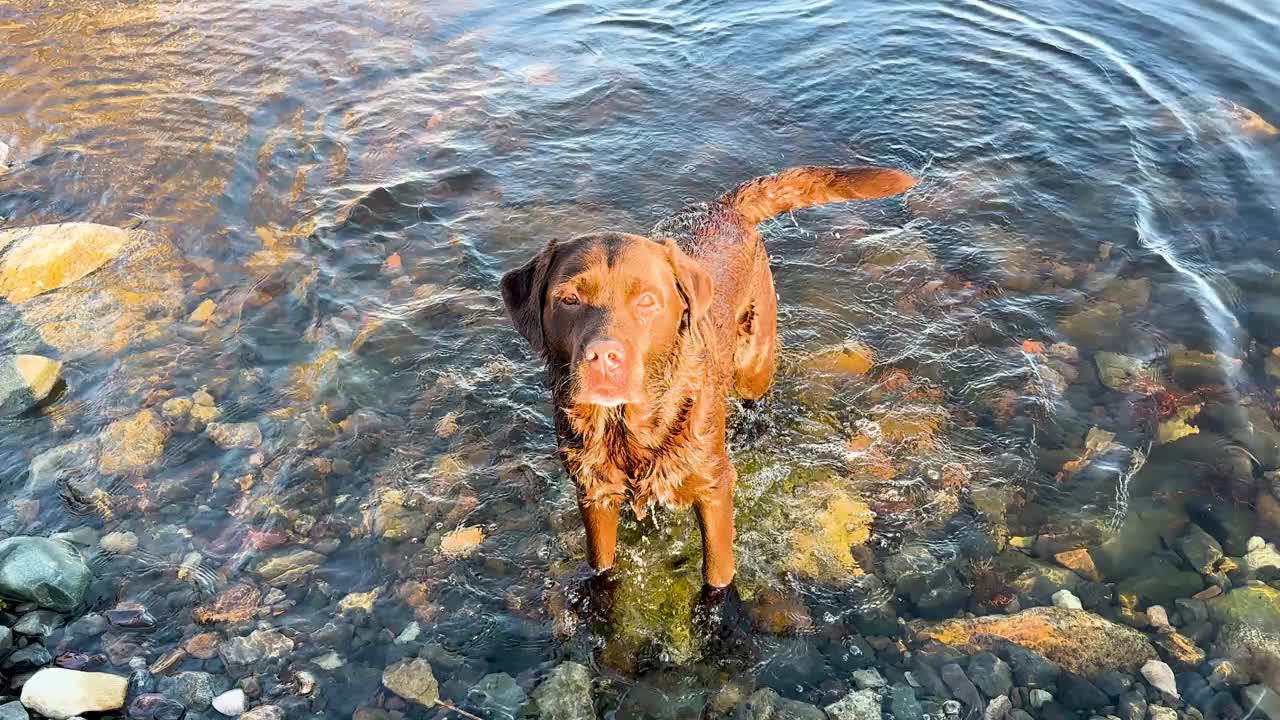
point(591, 601)
point(721, 620)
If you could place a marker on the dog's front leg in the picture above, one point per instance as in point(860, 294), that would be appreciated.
point(600, 517)
point(715, 517)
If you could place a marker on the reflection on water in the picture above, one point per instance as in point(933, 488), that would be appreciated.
point(298, 443)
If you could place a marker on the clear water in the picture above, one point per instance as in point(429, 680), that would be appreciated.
point(1062, 146)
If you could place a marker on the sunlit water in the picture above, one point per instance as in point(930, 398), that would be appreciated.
point(1061, 147)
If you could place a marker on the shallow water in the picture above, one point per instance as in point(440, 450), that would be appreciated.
point(1066, 150)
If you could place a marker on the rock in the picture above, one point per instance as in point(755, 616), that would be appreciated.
point(1158, 617)
point(154, 706)
point(1113, 683)
point(1259, 558)
point(1132, 706)
point(1033, 581)
point(120, 543)
point(1080, 562)
point(132, 445)
point(1039, 697)
point(1160, 712)
point(359, 602)
point(48, 572)
point(264, 712)
point(961, 687)
point(1066, 600)
point(286, 569)
point(498, 697)
point(62, 694)
point(565, 694)
point(1098, 326)
point(1160, 677)
point(1191, 610)
point(203, 646)
point(1254, 606)
point(195, 690)
point(1121, 372)
point(235, 436)
point(857, 705)
point(1262, 700)
point(998, 708)
point(1190, 368)
point(329, 661)
point(6, 640)
point(868, 678)
point(40, 623)
point(1179, 650)
point(1078, 693)
point(991, 674)
point(462, 542)
point(13, 711)
point(1076, 640)
point(401, 516)
point(236, 603)
point(412, 680)
point(1160, 583)
point(903, 704)
point(1201, 551)
point(203, 312)
point(230, 703)
point(1030, 668)
point(84, 288)
point(25, 381)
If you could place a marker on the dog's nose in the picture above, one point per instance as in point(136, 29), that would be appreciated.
point(605, 355)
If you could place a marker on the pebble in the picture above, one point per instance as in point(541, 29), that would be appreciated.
point(1160, 712)
point(499, 696)
point(38, 623)
point(230, 703)
point(13, 711)
point(857, 705)
point(566, 694)
point(61, 694)
point(329, 661)
point(990, 674)
point(998, 708)
point(153, 706)
point(1067, 600)
point(235, 436)
point(1040, 697)
point(868, 678)
point(264, 712)
point(1160, 676)
point(412, 680)
point(119, 542)
point(951, 708)
point(1158, 617)
point(195, 690)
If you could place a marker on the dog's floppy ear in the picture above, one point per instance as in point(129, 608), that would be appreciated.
point(693, 283)
point(523, 290)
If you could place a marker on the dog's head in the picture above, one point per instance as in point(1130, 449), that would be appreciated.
point(609, 309)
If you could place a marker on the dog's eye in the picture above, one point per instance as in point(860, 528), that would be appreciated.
point(646, 301)
point(569, 299)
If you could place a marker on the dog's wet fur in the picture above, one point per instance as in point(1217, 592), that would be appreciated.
point(644, 338)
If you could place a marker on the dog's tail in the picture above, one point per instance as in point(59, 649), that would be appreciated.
point(800, 187)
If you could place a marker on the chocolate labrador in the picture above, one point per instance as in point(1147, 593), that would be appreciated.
point(645, 336)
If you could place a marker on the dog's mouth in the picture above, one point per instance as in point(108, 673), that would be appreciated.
point(607, 395)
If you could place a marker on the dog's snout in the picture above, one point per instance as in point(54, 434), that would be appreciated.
point(606, 355)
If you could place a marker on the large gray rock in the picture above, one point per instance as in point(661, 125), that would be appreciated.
point(1262, 700)
point(566, 694)
point(25, 380)
point(194, 690)
point(767, 704)
point(857, 705)
point(61, 694)
point(48, 572)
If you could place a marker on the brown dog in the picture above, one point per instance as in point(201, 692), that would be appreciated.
point(643, 338)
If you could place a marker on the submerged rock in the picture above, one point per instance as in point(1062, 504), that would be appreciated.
point(133, 444)
point(412, 680)
point(565, 694)
point(85, 288)
point(235, 436)
point(763, 704)
point(62, 694)
point(857, 705)
point(1078, 641)
point(48, 572)
point(498, 697)
point(1160, 676)
point(25, 381)
point(1254, 606)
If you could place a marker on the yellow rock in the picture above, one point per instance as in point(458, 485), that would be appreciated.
point(462, 542)
point(852, 359)
point(47, 257)
point(1078, 641)
point(204, 312)
point(1248, 121)
point(359, 601)
point(1178, 425)
point(132, 444)
point(823, 551)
